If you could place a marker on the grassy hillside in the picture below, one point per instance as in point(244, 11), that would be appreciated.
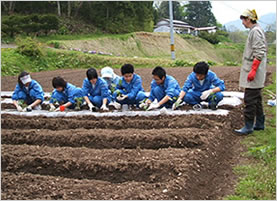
point(153, 45)
point(141, 49)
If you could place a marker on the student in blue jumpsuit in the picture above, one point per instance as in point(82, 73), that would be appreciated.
point(95, 91)
point(66, 95)
point(129, 89)
point(201, 85)
point(164, 88)
point(27, 91)
point(110, 77)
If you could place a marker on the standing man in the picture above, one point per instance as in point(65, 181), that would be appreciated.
point(252, 73)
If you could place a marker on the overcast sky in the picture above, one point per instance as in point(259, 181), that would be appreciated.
point(226, 11)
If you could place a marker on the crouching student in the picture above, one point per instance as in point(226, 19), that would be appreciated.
point(65, 95)
point(164, 88)
point(95, 91)
point(201, 85)
point(110, 77)
point(129, 89)
point(28, 93)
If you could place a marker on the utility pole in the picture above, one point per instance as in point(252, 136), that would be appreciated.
point(171, 31)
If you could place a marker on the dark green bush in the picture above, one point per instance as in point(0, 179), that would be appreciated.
point(215, 38)
point(10, 25)
point(210, 37)
point(48, 23)
point(29, 24)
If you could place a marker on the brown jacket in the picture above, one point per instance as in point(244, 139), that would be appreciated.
point(255, 47)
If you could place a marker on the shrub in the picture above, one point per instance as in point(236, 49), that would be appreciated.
point(231, 63)
point(215, 38)
point(29, 24)
point(211, 37)
point(28, 47)
point(211, 63)
point(179, 63)
point(10, 25)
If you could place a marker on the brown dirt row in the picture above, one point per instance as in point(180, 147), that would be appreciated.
point(212, 163)
point(36, 187)
point(115, 166)
point(109, 139)
point(138, 122)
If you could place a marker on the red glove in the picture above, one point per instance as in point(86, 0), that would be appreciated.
point(252, 73)
point(62, 108)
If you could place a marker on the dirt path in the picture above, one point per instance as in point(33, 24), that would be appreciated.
point(157, 158)
point(11, 45)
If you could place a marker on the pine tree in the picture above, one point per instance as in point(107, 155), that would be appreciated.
point(199, 14)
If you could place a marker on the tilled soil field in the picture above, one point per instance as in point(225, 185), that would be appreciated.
point(161, 157)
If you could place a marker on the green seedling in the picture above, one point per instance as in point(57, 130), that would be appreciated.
point(79, 102)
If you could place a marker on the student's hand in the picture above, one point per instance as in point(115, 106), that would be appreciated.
point(52, 108)
point(104, 108)
point(153, 106)
point(205, 94)
point(61, 108)
point(91, 107)
point(19, 108)
point(144, 105)
point(176, 104)
point(121, 97)
point(28, 109)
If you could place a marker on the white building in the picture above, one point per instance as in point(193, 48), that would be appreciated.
point(181, 27)
point(178, 26)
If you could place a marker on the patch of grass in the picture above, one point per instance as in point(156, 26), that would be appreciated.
point(258, 179)
point(14, 63)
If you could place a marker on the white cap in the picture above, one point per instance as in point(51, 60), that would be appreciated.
point(107, 72)
point(26, 79)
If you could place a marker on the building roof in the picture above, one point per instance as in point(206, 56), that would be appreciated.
point(180, 24)
point(205, 28)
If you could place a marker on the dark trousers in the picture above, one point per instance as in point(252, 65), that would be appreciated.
point(253, 104)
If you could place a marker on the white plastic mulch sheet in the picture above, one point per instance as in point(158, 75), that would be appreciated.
point(162, 111)
point(230, 98)
point(9, 94)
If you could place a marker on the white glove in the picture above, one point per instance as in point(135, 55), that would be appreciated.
point(28, 109)
point(121, 97)
point(57, 110)
point(52, 108)
point(176, 104)
point(205, 94)
point(104, 108)
point(153, 106)
point(91, 107)
point(143, 106)
point(19, 108)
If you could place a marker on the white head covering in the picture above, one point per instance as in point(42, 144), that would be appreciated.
point(250, 14)
point(26, 79)
point(107, 72)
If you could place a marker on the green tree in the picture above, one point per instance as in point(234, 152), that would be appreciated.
point(199, 14)
point(178, 10)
